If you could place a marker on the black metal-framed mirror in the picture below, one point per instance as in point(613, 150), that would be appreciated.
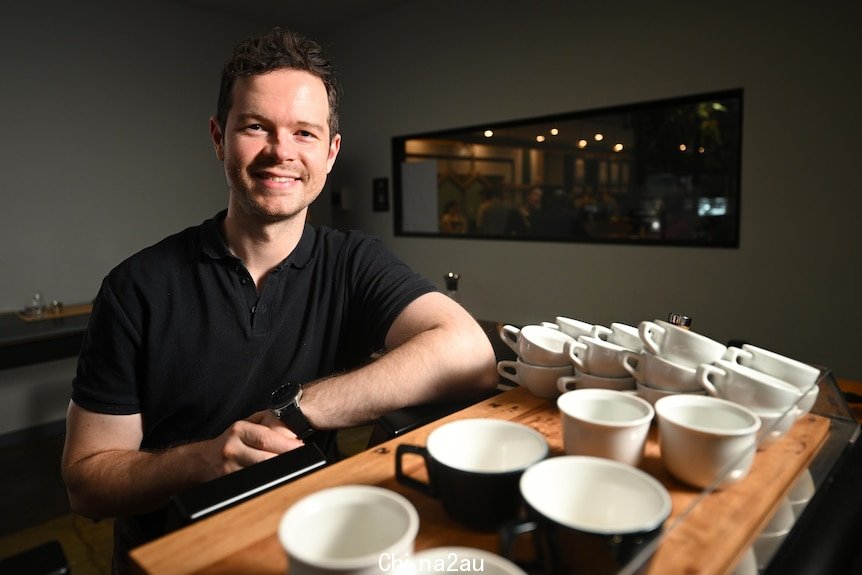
point(664, 172)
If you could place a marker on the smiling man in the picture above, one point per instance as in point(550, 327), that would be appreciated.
point(247, 335)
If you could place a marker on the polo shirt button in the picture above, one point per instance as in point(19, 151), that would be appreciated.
point(263, 309)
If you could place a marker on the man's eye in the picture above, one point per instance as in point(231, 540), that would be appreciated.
point(254, 127)
point(305, 134)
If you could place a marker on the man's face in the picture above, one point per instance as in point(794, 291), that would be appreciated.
point(276, 147)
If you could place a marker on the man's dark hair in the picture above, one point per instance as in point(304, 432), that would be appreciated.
point(277, 49)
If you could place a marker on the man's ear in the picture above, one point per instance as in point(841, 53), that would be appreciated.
point(217, 138)
point(334, 147)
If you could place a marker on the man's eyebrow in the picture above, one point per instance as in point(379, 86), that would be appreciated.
point(250, 116)
point(243, 117)
point(313, 125)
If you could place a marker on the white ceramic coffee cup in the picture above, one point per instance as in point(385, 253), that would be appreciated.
point(794, 372)
point(458, 560)
point(574, 328)
point(801, 492)
point(706, 440)
point(582, 380)
point(747, 564)
point(679, 345)
point(807, 402)
point(605, 423)
point(653, 394)
point(774, 424)
point(774, 533)
point(747, 386)
point(627, 336)
point(537, 344)
point(541, 380)
point(346, 530)
point(659, 372)
point(597, 356)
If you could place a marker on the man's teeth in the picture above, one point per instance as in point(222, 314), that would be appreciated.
point(280, 179)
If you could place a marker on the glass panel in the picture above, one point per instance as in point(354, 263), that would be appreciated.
point(661, 172)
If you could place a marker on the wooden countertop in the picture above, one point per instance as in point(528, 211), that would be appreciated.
point(707, 533)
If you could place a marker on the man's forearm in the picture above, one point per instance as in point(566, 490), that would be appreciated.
point(107, 475)
point(434, 364)
point(115, 483)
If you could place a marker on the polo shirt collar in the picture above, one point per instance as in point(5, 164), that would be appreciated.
point(214, 246)
point(212, 243)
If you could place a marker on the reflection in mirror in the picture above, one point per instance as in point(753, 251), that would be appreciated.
point(660, 172)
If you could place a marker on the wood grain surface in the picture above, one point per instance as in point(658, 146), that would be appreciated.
point(706, 534)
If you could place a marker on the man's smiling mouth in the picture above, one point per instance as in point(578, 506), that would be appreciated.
point(279, 178)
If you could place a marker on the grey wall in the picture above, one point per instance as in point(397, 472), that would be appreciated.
point(104, 150)
point(793, 285)
point(105, 145)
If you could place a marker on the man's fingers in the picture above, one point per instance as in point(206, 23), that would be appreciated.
point(273, 440)
point(259, 416)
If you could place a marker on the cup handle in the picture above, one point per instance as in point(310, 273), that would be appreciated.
point(704, 370)
point(564, 381)
point(427, 488)
point(510, 532)
point(510, 335)
point(509, 370)
point(573, 348)
point(601, 332)
point(651, 334)
point(738, 355)
point(626, 361)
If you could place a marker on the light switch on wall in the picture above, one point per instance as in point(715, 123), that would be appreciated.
point(381, 194)
point(341, 198)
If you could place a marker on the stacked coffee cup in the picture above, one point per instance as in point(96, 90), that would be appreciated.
point(668, 363)
point(596, 353)
point(777, 388)
point(566, 354)
point(542, 358)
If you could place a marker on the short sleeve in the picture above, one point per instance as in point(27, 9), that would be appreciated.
point(106, 379)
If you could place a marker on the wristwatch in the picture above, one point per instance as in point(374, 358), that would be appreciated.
point(284, 404)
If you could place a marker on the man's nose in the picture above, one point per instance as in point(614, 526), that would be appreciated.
point(282, 147)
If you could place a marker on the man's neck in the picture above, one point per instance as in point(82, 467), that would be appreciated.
point(261, 246)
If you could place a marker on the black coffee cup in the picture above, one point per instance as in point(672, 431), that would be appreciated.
point(474, 466)
point(588, 515)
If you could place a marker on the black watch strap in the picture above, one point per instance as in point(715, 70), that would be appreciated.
point(284, 403)
point(295, 420)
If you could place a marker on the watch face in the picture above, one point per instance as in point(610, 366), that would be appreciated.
point(284, 394)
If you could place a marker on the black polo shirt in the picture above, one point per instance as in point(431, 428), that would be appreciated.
point(180, 334)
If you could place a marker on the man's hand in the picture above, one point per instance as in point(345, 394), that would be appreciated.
point(246, 442)
point(107, 475)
